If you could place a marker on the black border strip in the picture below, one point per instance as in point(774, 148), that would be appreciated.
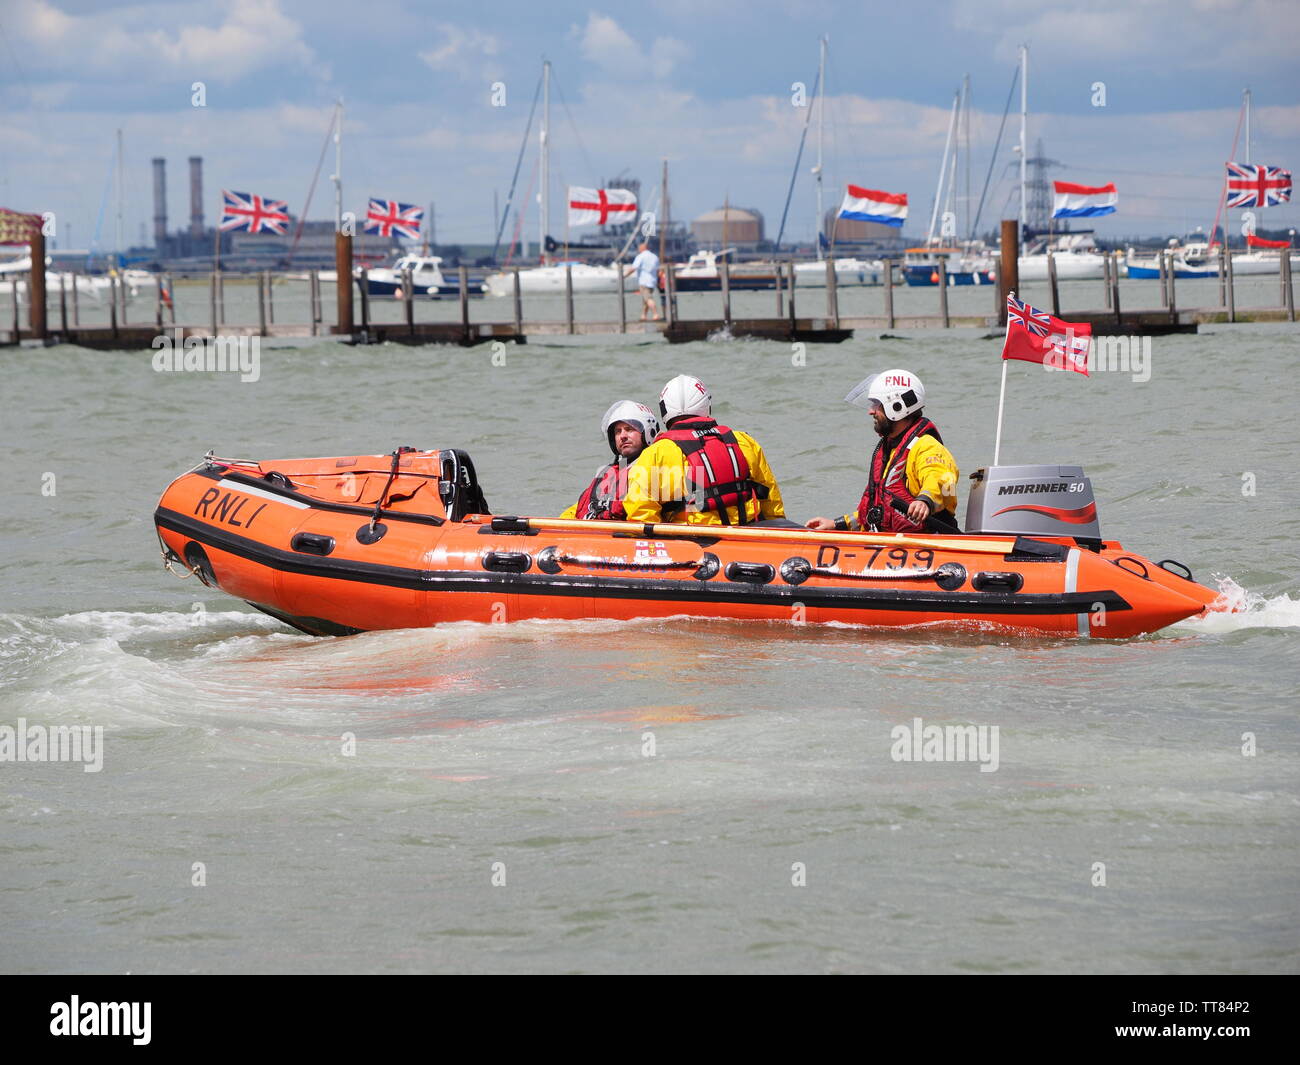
point(623, 588)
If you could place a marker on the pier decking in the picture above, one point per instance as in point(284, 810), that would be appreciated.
point(807, 314)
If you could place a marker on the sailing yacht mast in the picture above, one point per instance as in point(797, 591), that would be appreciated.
point(1024, 131)
point(544, 215)
point(119, 199)
point(965, 92)
point(1245, 94)
point(943, 170)
point(338, 167)
point(821, 133)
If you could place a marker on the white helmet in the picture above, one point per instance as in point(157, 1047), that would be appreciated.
point(684, 395)
point(638, 414)
point(899, 393)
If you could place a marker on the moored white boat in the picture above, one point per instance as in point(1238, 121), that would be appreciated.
point(553, 280)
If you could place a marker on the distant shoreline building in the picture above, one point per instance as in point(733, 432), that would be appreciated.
point(729, 227)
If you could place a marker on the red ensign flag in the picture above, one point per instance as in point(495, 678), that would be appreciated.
point(1035, 336)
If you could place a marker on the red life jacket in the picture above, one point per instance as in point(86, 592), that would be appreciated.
point(603, 499)
point(717, 470)
point(888, 482)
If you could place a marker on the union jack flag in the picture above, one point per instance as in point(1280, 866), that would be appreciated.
point(256, 214)
point(388, 216)
point(1257, 186)
point(1037, 322)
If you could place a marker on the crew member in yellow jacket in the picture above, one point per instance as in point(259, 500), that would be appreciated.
point(698, 472)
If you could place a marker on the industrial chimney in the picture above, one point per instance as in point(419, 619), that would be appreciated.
point(196, 196)
point(160, 205)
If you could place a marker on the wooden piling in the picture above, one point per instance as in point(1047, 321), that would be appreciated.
point(36, 314)
point(76, 305)
point(1223, 278)
point(13, 301)
point(261, 303)
point(622, 298)
point(790, 279)
point(63, 301)
point(1105, 279)
point(670, 303)
point(1232, 293)
point(313, 287)
point(270, 297)
point(121, 295)
point(941, 268)
point(1162, 265)
point(832, 294)
point(889, 293)
point(408, 299)
point(1009, 273)
point(1114, 291)
point(1051, 280)
point(1288, 293)
point(158, 303)
point(780, 294)
point(343, 282)
point(568, 295)
point(462, 276)
point(212, 300)
point(519, 306)
point(221, 297)
point(1170, 278)
point(724, 278)
point(364, 285)
point(112, 305)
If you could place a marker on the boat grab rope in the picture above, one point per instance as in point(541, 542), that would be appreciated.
point(877, 574)
point(170, 558)
point(596, 562)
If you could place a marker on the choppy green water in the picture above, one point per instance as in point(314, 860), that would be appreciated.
point(519, 752)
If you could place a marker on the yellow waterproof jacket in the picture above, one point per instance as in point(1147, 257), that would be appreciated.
point(660, 474)
point(931, 471)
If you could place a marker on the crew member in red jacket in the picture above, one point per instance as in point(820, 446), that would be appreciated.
point(912, 480)
point(630, 428)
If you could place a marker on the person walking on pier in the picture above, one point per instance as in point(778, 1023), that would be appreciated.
point(646, 268)
point(912, 485)
point(630, 428)
point(699, 472)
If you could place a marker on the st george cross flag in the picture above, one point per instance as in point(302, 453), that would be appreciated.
point(1035, 336)
point(601, 206)
point(1083, 201)
point(871, 205)
point(386, 217)
point(1258, 186)
point(256, 214)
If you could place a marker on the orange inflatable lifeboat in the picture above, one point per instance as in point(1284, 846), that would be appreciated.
point(334, 546)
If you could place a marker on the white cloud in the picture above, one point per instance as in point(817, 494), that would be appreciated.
point(252, 35)
point(462, 51)
point(606, 44)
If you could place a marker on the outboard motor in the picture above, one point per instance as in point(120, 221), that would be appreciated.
point(1032, 501)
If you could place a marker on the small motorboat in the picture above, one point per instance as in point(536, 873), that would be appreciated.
point(336, 546)
point(426, 279)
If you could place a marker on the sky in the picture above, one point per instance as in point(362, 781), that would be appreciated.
point(1145, 93)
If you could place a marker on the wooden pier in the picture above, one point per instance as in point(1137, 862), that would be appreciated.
point(790, 322)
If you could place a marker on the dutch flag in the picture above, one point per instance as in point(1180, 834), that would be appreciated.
point(1083, 201)
point(871, 205)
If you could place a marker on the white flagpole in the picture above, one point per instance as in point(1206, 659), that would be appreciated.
point(1002, 396)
